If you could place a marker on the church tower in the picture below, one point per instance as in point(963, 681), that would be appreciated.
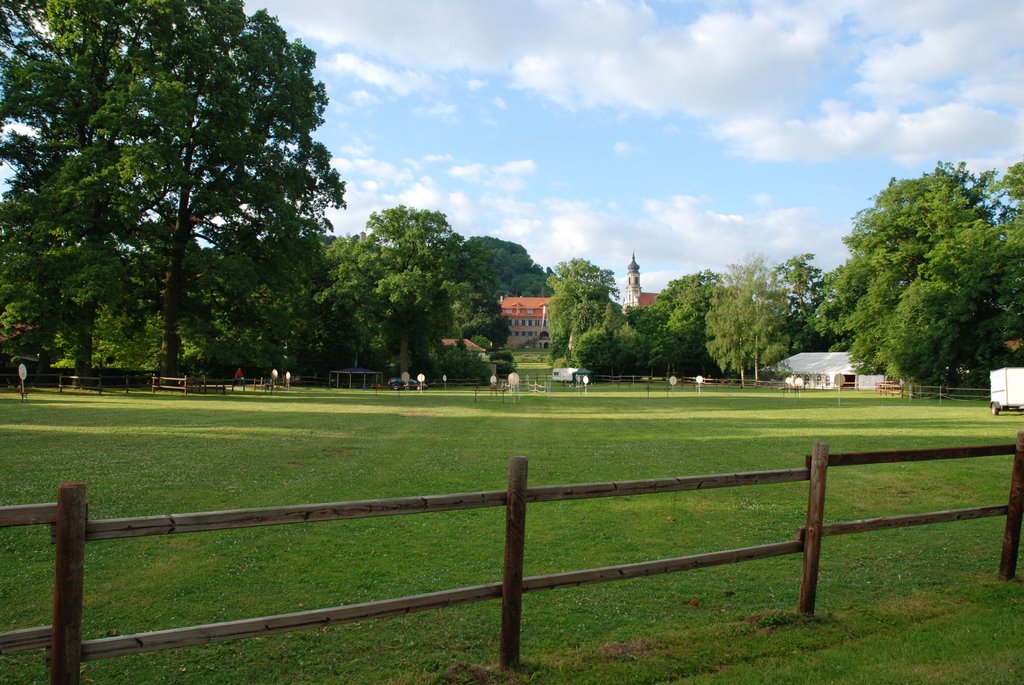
point(632, 298)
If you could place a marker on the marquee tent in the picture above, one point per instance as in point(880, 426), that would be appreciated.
point(827, 370)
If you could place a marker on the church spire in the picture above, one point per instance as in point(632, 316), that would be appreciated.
point(632, 298)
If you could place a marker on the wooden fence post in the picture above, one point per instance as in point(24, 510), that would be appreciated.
point(1014, 509)
point(812, 532)
point(512, 578)
point(66, 638)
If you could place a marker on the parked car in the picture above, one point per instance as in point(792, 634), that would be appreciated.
point(399, 384)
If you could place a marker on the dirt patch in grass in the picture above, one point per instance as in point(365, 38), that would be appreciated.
point(474, 674)
point(627, 651)
point(919, 607)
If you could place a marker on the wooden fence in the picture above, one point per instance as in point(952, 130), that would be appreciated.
point(138, 381)
point(73, 528)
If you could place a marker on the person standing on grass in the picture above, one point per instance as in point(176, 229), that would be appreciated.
point(239, 377)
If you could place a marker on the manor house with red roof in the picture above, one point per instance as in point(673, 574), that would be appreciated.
point(527, 317)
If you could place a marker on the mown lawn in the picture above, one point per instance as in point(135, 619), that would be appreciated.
point(914, 605)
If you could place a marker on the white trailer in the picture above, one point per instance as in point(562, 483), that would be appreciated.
point(563, 374)
point(1007, 390)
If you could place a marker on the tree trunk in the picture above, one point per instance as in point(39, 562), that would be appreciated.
point(174, 287)
point(45, 360)
point(403, 353)
point(84, 340)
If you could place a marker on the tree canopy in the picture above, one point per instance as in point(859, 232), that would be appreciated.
point(404, 279)
point(672, 332)
point(745, 324)
point(164, 152)
point(936, 263)
point(581, 292)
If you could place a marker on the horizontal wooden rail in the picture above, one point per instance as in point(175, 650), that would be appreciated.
point(653, 568)
point(174, 638)
point(905, 520)
point(28, 514)
point(895, 456)
point(550, 493)
point(25, 638)
point(104, 529)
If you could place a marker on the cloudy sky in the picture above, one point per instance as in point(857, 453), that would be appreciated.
point(688, 132)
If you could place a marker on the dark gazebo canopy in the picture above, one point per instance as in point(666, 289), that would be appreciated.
point(351, 373)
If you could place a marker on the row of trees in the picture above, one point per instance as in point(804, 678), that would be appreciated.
point(933, 292)
point(701, 324)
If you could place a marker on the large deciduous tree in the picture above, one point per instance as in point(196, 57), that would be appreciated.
point(581, 293)
point(747, 318)
point(402, 280)
point(172, 136)
point(227, 105)
point(68, 239)
point(937, 262)
point(805, 284)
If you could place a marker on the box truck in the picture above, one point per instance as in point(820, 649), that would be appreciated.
point(1007, 390)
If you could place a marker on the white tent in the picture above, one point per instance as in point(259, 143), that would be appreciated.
point(827, 370)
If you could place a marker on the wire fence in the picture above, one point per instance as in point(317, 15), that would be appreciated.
point(127, 382)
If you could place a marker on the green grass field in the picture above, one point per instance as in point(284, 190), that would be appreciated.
point(914, 605)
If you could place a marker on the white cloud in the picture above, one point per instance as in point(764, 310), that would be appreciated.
point(364, 98)
point(357, 149)
point(500, 103)
point(401, 82)
point(952, 130)
point(423, 194)
point(714, 240)
point(468, 172)
point(509, 176)
point(445, 111)
point(724, 62)
point(373, 169)
point(622, 148)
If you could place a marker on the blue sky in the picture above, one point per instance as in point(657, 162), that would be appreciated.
point(688, 132)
